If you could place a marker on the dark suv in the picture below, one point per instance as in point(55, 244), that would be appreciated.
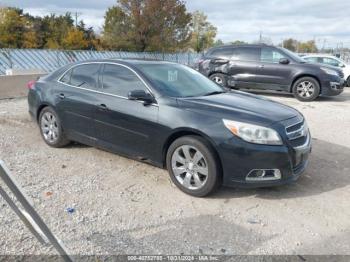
point(270, 68)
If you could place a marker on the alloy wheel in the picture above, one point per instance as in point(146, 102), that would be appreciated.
point(49, 127)
point(305, 89)
point(190, 167)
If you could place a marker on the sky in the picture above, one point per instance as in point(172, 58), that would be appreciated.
point(325, 21)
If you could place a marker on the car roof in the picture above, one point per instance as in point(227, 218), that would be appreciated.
point(241, 45)
point(321, 55)
point(125, 61)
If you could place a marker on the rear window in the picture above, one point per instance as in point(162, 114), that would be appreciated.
point(222, 52)
point(82, 76)
point(246, 54)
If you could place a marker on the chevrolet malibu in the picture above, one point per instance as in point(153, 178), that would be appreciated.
point(173, 117)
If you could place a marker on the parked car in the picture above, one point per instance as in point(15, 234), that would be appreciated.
point(270, 68)
point(172, 116)
point(332, 61)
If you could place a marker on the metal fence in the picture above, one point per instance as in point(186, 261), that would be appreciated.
point(49, 60)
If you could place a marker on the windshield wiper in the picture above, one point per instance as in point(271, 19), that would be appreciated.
point(214, 93)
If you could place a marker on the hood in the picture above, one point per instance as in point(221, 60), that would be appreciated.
point(319, 65)
point(240, 106)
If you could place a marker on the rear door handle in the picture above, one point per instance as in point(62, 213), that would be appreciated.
point(103, 107)
point(261, 66)
point(62, 96)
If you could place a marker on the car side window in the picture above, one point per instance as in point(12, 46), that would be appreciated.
point(66, 78)
point(119, 80)
point(331, 61)
point(85, 76)
point(246, 54)
point(270, 55)
point(312, 59)
point(222, 53)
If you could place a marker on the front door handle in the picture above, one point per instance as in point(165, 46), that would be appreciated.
point(62, 96)
point(103, 107)
point(261, 66)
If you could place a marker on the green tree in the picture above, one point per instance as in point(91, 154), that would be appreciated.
point(218, 42)
point(308, 47)
point(30, 40)
point(74, 40)
point(12, 27)
point(203, 33)
point(290, 44)
point(147, 25)
point(238, 42)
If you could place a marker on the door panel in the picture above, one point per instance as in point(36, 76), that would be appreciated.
point(121, 124)
point(244, 73)
point(77, 111)
point(242, 66)
point(126, 126)
point(76, 100)
point(270, 73)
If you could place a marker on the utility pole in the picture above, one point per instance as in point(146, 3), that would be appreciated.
point(76, 14)
point(260, 37)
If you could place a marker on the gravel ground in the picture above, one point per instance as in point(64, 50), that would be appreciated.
point(127, 207)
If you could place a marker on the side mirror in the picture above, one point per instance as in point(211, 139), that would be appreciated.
point(284, 61)
point(342, 65)
point(141, 95)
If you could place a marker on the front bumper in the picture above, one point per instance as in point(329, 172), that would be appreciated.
point(333, 86)
point(239, 158)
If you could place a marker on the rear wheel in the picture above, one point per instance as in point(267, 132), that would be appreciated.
point(193, 167)
point(51, 128)
point(218, 78)
point(348, 82)
point(306, 89)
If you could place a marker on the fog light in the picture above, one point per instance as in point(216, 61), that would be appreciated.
point(264, 175)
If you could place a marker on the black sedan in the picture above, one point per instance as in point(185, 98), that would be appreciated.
point(172, 116)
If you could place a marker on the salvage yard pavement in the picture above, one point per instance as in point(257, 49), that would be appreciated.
point(100, 203)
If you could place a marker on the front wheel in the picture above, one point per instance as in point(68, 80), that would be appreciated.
point(193, 167)
point(348, 82)
point(306, 89)
point(218, 78)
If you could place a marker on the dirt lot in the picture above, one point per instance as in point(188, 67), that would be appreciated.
point(126, 207)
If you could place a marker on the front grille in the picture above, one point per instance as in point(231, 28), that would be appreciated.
point(298, 133)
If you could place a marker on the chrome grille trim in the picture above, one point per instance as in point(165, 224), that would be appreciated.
point(301, 132)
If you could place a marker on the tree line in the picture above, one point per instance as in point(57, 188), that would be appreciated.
point(130, 25)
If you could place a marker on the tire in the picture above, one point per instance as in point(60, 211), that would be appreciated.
point(219, 79)
point(199, 174)
point(348, 82)
point(306, 89)
point(51, 129)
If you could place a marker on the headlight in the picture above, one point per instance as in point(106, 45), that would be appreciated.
point(253, 134)
point(329, 71)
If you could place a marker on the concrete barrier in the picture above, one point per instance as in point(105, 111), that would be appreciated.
point(15, 86)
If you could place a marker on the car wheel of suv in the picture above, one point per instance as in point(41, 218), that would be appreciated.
point(193, 167)
point(306, 89)
point(51, 128)
point(218, 78)
point(348, 82)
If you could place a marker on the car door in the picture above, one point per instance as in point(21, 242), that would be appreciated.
point(270, 73)
point(124, 125)
point(76, 101)
point(243, 66)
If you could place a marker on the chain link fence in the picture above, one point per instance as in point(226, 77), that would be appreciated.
point(49, 60)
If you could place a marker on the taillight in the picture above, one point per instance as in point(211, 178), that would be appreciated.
point(31, 84)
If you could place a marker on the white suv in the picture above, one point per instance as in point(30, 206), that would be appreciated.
point(331, 60)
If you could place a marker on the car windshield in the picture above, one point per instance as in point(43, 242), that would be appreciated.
point(178, 80)
point(293, 55)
